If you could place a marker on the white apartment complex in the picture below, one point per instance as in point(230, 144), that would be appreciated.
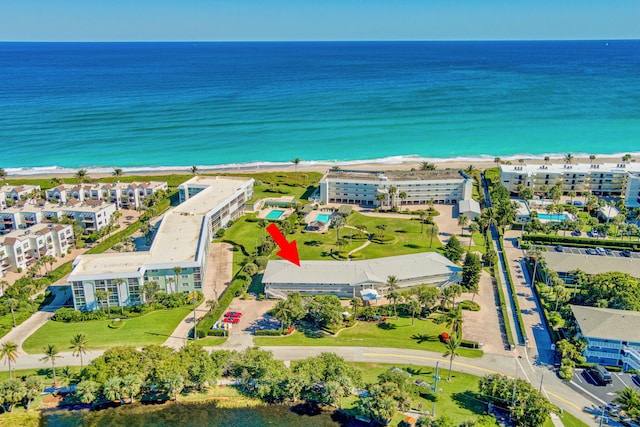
point(20, 248)
point(128, 195)
point(177, 259)
point(601, 179)
point(15, 193)
point(92, 215)
point(371, 188)
point(350, 278)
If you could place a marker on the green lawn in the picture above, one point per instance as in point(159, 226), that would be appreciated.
point(458, 399)
point(152, 328)
point(211, 341)
point(396, 334)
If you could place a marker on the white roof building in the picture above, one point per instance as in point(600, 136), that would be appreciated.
point(470, 208)
point(349, 278)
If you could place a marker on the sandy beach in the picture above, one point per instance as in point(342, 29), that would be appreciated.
point(290, 167)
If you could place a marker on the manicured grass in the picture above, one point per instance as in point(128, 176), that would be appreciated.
point(21, 417)
point(571, 421)
point(211, 341)
point(396, 334)
point(152, 328)
point(458, 399)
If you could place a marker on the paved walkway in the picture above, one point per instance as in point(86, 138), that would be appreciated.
point(218, 277)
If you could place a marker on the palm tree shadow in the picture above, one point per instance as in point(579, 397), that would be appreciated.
point(387, 326)
point(420, 338)
point(471, 401)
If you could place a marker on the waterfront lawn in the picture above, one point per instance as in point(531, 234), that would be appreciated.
point(458, 399)
point(152, 328)
point(406, 233)
point(395, 334)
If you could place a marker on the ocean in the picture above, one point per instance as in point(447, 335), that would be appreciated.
point(141, 106)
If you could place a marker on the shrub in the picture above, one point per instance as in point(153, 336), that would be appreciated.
point(215, 333)
point(268, 333)
point(261, 262)
point(470, 305)
point(444, 337)
point(566, 372)
point(72, 315)
point(469, 344)
point(116, 324)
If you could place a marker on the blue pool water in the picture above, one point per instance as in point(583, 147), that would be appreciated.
point(323, 217)
point(274, 214)
point(553, 217)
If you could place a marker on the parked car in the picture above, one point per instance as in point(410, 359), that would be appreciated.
point(594, 233)
point(636, 379)
point(626, 253)
point(558, 248)
point(233, 314)
point(577, 203)
point(576, 233)
point(233, 320)
point(600, 375)
point(591, 251)
point(600, 251)
point(608, 252)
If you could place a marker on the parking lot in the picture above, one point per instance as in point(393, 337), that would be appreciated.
point(583, 251)
point(583, 379)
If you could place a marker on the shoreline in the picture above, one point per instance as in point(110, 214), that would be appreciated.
point(391, 163)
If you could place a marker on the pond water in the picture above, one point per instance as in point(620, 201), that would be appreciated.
point(187, 415)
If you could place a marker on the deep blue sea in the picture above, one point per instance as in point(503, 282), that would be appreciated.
point(147, 105)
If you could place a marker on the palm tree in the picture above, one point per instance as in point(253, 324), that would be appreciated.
point(79, 346)
point(194, 170)
point(592, 157)
point(101, 296)
point(473, 228)
point(568, 158)
point(414, 307)
point(498, 160)
point(170, 281)
point(112, 388)
point(626, 158)
point(463, 220)
point(82, 176)
point(453, 319)
point(149, 290)
point(381, 197)
point(50, 355)
point(629, 399)
point(131, 385)
point(9, 352)
point(3, 174)
point(12, 304)
point(403, 197)
point(117, 172)
point(427, 166)
point(355, 304)
point(394, 297)
point(432, 231)
point(177, 270)
point(211, 304)
point(174, 385)
point(452, 351)
point(296, 162)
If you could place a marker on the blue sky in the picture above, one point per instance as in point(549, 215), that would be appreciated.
point(147, 20)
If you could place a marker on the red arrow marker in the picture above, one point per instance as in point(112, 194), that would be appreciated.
point(288, 251)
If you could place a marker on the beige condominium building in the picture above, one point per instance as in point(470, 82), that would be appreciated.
point(20, 248)
point(177, 258)
point(600, 179)
point(395, 188)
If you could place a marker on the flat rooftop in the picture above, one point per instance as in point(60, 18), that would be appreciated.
point(177, 237)
point(605, 323)
point(591, 264)
point(404, 267)
point(443, 174)
point(57, 207)
point(529, 168)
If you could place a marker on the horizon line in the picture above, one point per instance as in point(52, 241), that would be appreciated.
point(326, 41)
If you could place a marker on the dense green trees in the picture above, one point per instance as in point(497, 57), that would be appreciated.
point(471, 270)
point(612, 290)
point(453, 249)
point(528, 407)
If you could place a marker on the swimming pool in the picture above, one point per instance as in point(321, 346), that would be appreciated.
point(553, 217)
point(275, 214)
point(323, 217)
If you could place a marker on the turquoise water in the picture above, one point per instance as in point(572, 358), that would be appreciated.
point(141, 106)
point(553, 217)
point(274, 214)
point(325, 218)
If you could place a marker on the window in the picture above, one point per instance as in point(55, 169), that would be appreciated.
point(184, 276)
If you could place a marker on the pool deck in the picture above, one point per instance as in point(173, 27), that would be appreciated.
point(563, 214)
point(311, 217)
point(262, 213)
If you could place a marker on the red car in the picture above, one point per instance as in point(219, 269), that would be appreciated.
point(233, 314)
point(231, 320)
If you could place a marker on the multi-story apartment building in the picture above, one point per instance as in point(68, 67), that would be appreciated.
point(92, 215)
point(385, 188)
point(600, 179)
point(15, 193)
point(608, 343)
point(177, 258)
point(3, 200)
point(21, 248)
point(128, 195)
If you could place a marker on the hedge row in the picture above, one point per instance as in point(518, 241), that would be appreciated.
point(514, 294)
point(268, 333)
point(587, 242)
point(503, 308)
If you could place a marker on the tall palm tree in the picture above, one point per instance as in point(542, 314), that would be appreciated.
point(9, 352)
point(3, 174)
point(394, 297)
point(296, 162)
point(149, 290)
point(79, 346)
point(626, 158)
point(431, 232)
point(117, 172)
point(355, 304)
point(452, 351)
point(473, 228)
point(12, 304)
point(101, 296)
point(498, 160)
point(592, 157)
point(568, 158)
point(403, 197)
point(177, 270)
point(414, 307)
point(629, 399)
point(211, 304)
point(194, 170)
point(50, 355)
point(463, 221)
